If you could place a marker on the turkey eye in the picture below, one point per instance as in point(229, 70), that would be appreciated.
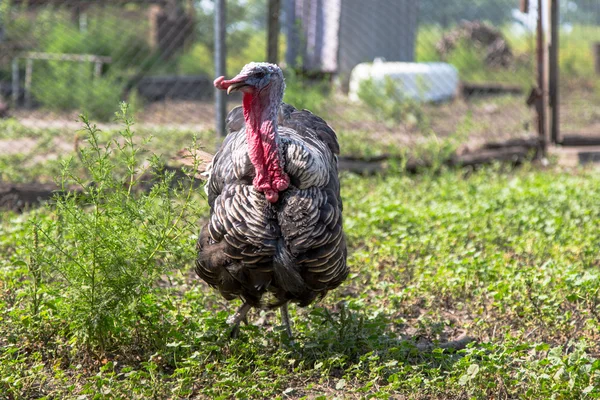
point(260, 75)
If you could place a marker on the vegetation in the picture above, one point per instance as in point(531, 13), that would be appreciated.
point(41, 153)
point(448, 13)
point(98, 298)
point(387, 99)
point(66, 85)
point(576, 55)
point(105, 34)
point(470, 60)
point(305, 94)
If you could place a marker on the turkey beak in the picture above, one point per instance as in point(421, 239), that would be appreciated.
point(235, 86)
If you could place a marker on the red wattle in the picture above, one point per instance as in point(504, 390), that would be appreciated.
point(263, 150)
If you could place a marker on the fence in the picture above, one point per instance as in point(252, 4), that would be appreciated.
point(579, 62)
point(159, 56)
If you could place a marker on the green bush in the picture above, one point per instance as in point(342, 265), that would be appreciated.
point(388, 101)
point(107, 243)
point(576, 57)
point(306, 94)
point(469, 60)
point(107, 34)
point(196, 61)
point(60, 85)
point(66, 85)
point(243, 46)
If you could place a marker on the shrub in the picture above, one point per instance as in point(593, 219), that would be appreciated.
point(62, 85)
point(576, 57)
point(302, 93)
point(243, 46)
point(469, 60)
point(198, 60)
point(107, 34)
point(108, 242)
point(387, 100)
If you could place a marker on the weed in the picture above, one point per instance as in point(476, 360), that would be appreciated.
point(109, 241)
point(387, 99)
point(304, 94)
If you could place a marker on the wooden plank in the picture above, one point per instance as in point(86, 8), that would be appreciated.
point(28, 77)
point(67, 57)
point(77, 3)
point(20, 196)
point(529, 142)
point(596, 50)
point(580, 140)
point(474, 89)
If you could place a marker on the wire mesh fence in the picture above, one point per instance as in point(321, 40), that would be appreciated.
point(59, 58)
point(579, 64)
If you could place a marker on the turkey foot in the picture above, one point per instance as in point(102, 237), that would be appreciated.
point(236, 318)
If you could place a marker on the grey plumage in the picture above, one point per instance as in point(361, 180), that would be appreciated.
point(295, 248)
point(292, 250)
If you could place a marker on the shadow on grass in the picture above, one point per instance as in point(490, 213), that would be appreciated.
point(353, 335)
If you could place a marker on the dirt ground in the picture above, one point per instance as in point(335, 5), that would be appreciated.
point(491, 118)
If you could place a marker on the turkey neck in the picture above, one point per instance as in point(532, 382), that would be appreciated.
point(264, 147)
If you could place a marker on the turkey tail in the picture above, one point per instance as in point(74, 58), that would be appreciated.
point(285, 270)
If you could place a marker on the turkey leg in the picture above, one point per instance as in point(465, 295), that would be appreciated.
point(236, 318)
point(285, 319)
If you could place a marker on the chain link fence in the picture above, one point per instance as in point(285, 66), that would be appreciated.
point(579, 62)
point(59, 58)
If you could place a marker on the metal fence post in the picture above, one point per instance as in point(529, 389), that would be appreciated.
point(220, 64)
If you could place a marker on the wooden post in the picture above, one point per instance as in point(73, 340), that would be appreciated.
point(15, 81)
point(220, 66)
point(596, 49)
point(553, 71)
point(97, 69)
point(28, 75)
point(524, 8)
point(273, 31)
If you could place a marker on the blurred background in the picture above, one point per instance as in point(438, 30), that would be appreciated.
point(468, 69)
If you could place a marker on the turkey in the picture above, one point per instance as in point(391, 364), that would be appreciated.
point(275, 231)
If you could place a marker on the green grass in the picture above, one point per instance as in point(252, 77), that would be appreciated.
point(507, 257)
point(576, 56)
point(54, 146)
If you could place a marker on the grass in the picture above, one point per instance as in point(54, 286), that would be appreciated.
point(576, 52)
point(52, 146)
point(507, 257)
